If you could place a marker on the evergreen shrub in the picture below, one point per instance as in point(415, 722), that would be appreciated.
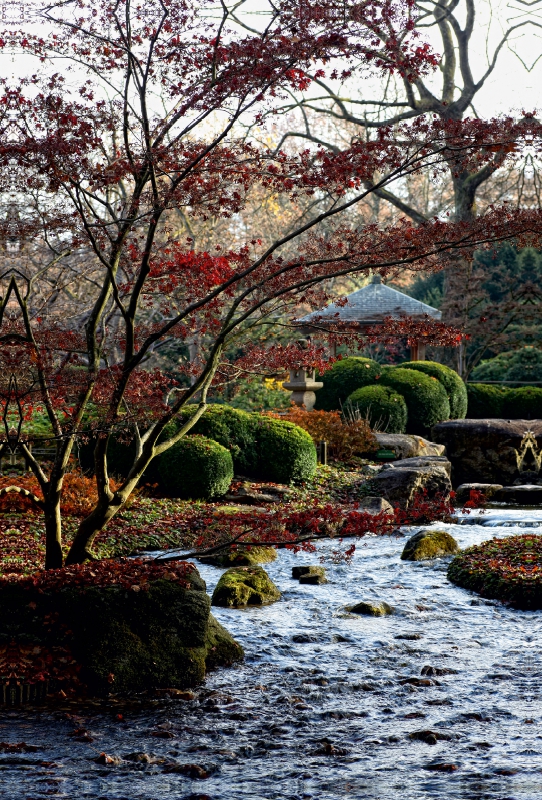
point(343, 378)
point(384, 409)
point(453, 384)
point(196, 468)
point(425, 397)
point(486, 401)
point(286, 452)
point(232, 428)
point(524, 403)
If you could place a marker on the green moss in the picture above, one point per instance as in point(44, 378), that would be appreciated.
point(429, 544)
point(300, 572)
point(241, 557)
point(383, 407)
point(454, 386)
point(245, 586)
point(426, 398)
point(196, 468)
point(379, 609)
point(343, 378)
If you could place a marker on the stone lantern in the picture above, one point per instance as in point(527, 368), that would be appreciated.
point(302, 384)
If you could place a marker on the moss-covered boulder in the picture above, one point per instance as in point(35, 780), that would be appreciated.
point(145, 627)
point(508, 569)
point(370, 609)
point(428, 544)
point(245, 586)
point(241, 557)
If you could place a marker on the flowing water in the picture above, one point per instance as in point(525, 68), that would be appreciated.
point(320, 707)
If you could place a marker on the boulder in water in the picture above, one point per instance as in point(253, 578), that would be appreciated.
point(428, 544)
point(244, 586)
point(370, 609)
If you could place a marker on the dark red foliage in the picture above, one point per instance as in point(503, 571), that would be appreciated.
point(126, 573)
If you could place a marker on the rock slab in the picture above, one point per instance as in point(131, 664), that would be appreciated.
point(491, 450)
point(399, 485)
point(408, 446)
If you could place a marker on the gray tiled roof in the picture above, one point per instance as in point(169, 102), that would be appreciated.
point(372, 303)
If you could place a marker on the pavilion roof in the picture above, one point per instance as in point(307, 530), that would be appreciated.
point(372, 304)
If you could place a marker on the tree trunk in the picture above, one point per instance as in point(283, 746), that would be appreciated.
point(53, 535)
point(88, 530)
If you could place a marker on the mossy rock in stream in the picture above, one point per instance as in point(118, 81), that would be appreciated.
point(241, 557)
point(428, 544)
point(120, 638)
point(377, 609)
point(245, 586)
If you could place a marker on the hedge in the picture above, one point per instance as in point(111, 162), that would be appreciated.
point(384, 409)
point(196, 468)
point(343, 378)
point(486, 401)
point(425, 397)
point(453, 384)
point(260, 447)
point(524, 403)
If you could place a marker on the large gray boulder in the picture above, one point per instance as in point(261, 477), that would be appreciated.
point(399, 485)
point(406, 446)
point(497, 451)
point(421, 461)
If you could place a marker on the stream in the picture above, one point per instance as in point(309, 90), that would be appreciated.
point(326, 702)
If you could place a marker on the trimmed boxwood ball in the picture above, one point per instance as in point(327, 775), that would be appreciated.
point(232, 428)
point(508, 569)
point(196, 468)
point(453, 384)
point(486, 401)
point(343, 378)
point(384, 409)
point(426, 398)
point(286, 452)
point(523, 403)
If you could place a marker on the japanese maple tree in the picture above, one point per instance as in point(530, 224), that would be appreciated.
point(141, 129)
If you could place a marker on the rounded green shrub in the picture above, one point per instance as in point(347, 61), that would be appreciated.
point(196, 468)
point(286, 452)
point(232, 428)
point(524, 403)
point(486, 401)
point(453, 384)
point(343, 378)
point(384, 409)
point(425, 397)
